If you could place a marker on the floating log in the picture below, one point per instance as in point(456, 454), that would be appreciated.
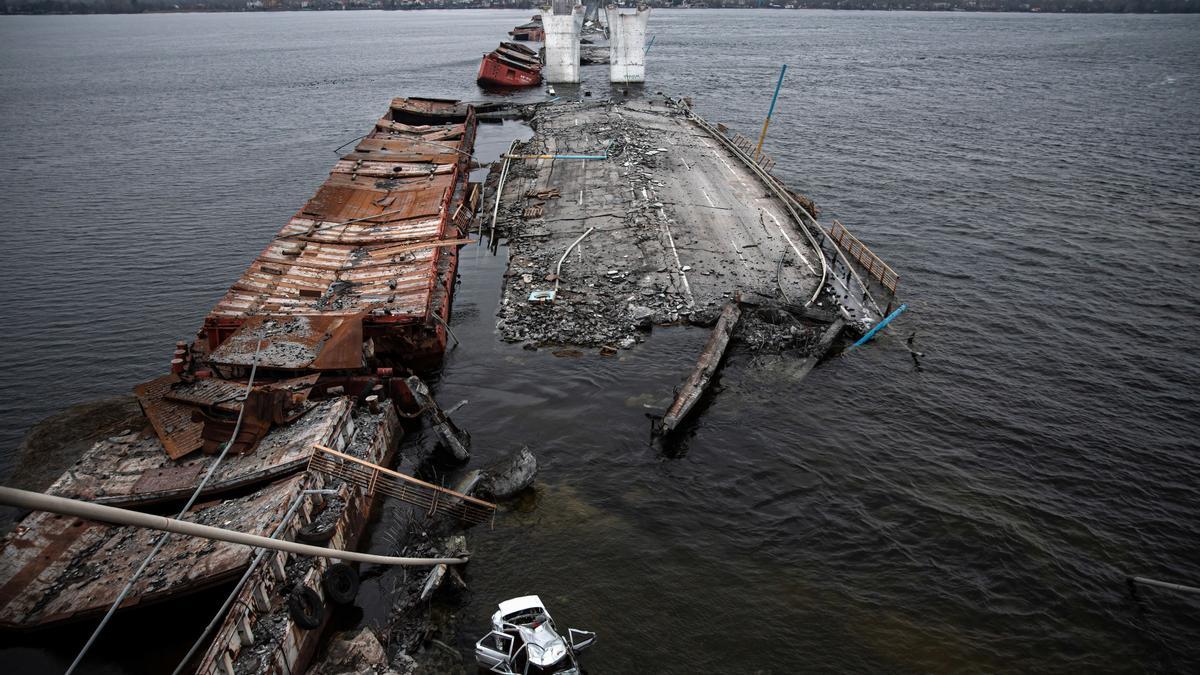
point(823, 345)
point(706, 367)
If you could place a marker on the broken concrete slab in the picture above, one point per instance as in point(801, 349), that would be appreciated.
point(680, 223)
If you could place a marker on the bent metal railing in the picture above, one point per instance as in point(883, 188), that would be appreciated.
point(372, 478)
point(872, 263)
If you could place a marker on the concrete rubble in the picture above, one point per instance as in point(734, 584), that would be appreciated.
point(680, 227)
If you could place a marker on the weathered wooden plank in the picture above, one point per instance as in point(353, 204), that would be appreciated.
point(706, 367)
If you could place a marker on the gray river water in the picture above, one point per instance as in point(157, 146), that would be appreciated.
point(1034, 179)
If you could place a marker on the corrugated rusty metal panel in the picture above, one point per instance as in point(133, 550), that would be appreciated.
point(171, 420)
point(368, 242)
point(224, 395)
point(402, 149)
point(386, 125)
point(307, 230)
point(57, 568)
point(333, 278)
point(426, 131)
point(443, 108)
point(312, 342)
point(392, 169)
point(338, 203)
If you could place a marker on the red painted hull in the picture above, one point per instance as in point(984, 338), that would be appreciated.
point(494, 72)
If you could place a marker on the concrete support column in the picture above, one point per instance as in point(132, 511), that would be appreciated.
point(627, 44)
point(562, 26)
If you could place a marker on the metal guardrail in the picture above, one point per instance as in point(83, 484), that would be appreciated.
point(865, 257)
point(722, 133)
point(374, 478)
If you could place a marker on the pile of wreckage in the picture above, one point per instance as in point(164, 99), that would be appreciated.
point(283, 417)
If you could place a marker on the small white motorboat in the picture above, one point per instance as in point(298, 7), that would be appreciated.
point(525, 640)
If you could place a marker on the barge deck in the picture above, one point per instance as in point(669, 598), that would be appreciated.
point(310, 347)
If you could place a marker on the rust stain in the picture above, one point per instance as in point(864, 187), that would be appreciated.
point(306, 342)
point(172, 421)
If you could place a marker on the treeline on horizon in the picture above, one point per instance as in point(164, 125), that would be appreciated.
point(1046, 6)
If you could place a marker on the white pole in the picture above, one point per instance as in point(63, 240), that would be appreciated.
point(23, 499)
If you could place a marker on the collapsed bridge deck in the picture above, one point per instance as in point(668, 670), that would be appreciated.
point(681, 226)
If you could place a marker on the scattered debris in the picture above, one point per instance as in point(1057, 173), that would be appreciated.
point(358, 652)
point(550, 193)
point(667, 248)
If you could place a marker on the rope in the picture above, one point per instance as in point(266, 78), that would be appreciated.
point(162, 540)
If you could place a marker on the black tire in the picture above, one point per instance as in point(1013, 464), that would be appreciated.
point(305, 608)
point(313, 533)
point(340, 582)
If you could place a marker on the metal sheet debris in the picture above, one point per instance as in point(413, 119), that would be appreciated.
point(179, 434)
point(62, 568)
point(377, 240)
point(306, 342)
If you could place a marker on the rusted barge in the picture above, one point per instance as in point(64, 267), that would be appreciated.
point(510, 65)
point(308, 348)
point(531, 31)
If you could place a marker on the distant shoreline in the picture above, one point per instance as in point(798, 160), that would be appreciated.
point(75, 8)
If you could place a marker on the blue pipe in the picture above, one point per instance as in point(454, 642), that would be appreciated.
point(778, 86)
point(648, 46)
point(879, 326)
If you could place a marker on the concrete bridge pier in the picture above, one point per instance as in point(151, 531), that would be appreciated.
point(627, 44)
point(562, 25)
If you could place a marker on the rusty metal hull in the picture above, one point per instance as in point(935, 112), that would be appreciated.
point(133, 470)
point(378, 240)
point(55, 568)
point(259, 635)
point(356, 286)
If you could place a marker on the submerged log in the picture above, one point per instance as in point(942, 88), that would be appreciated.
point(823, 346)
point(706, 367)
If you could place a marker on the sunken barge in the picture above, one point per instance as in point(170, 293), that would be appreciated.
point(305, 355)
point(510, 65)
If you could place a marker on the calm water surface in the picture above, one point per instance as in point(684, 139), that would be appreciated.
point(1034, 179)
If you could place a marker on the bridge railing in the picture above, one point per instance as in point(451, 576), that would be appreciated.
point(857, 250)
